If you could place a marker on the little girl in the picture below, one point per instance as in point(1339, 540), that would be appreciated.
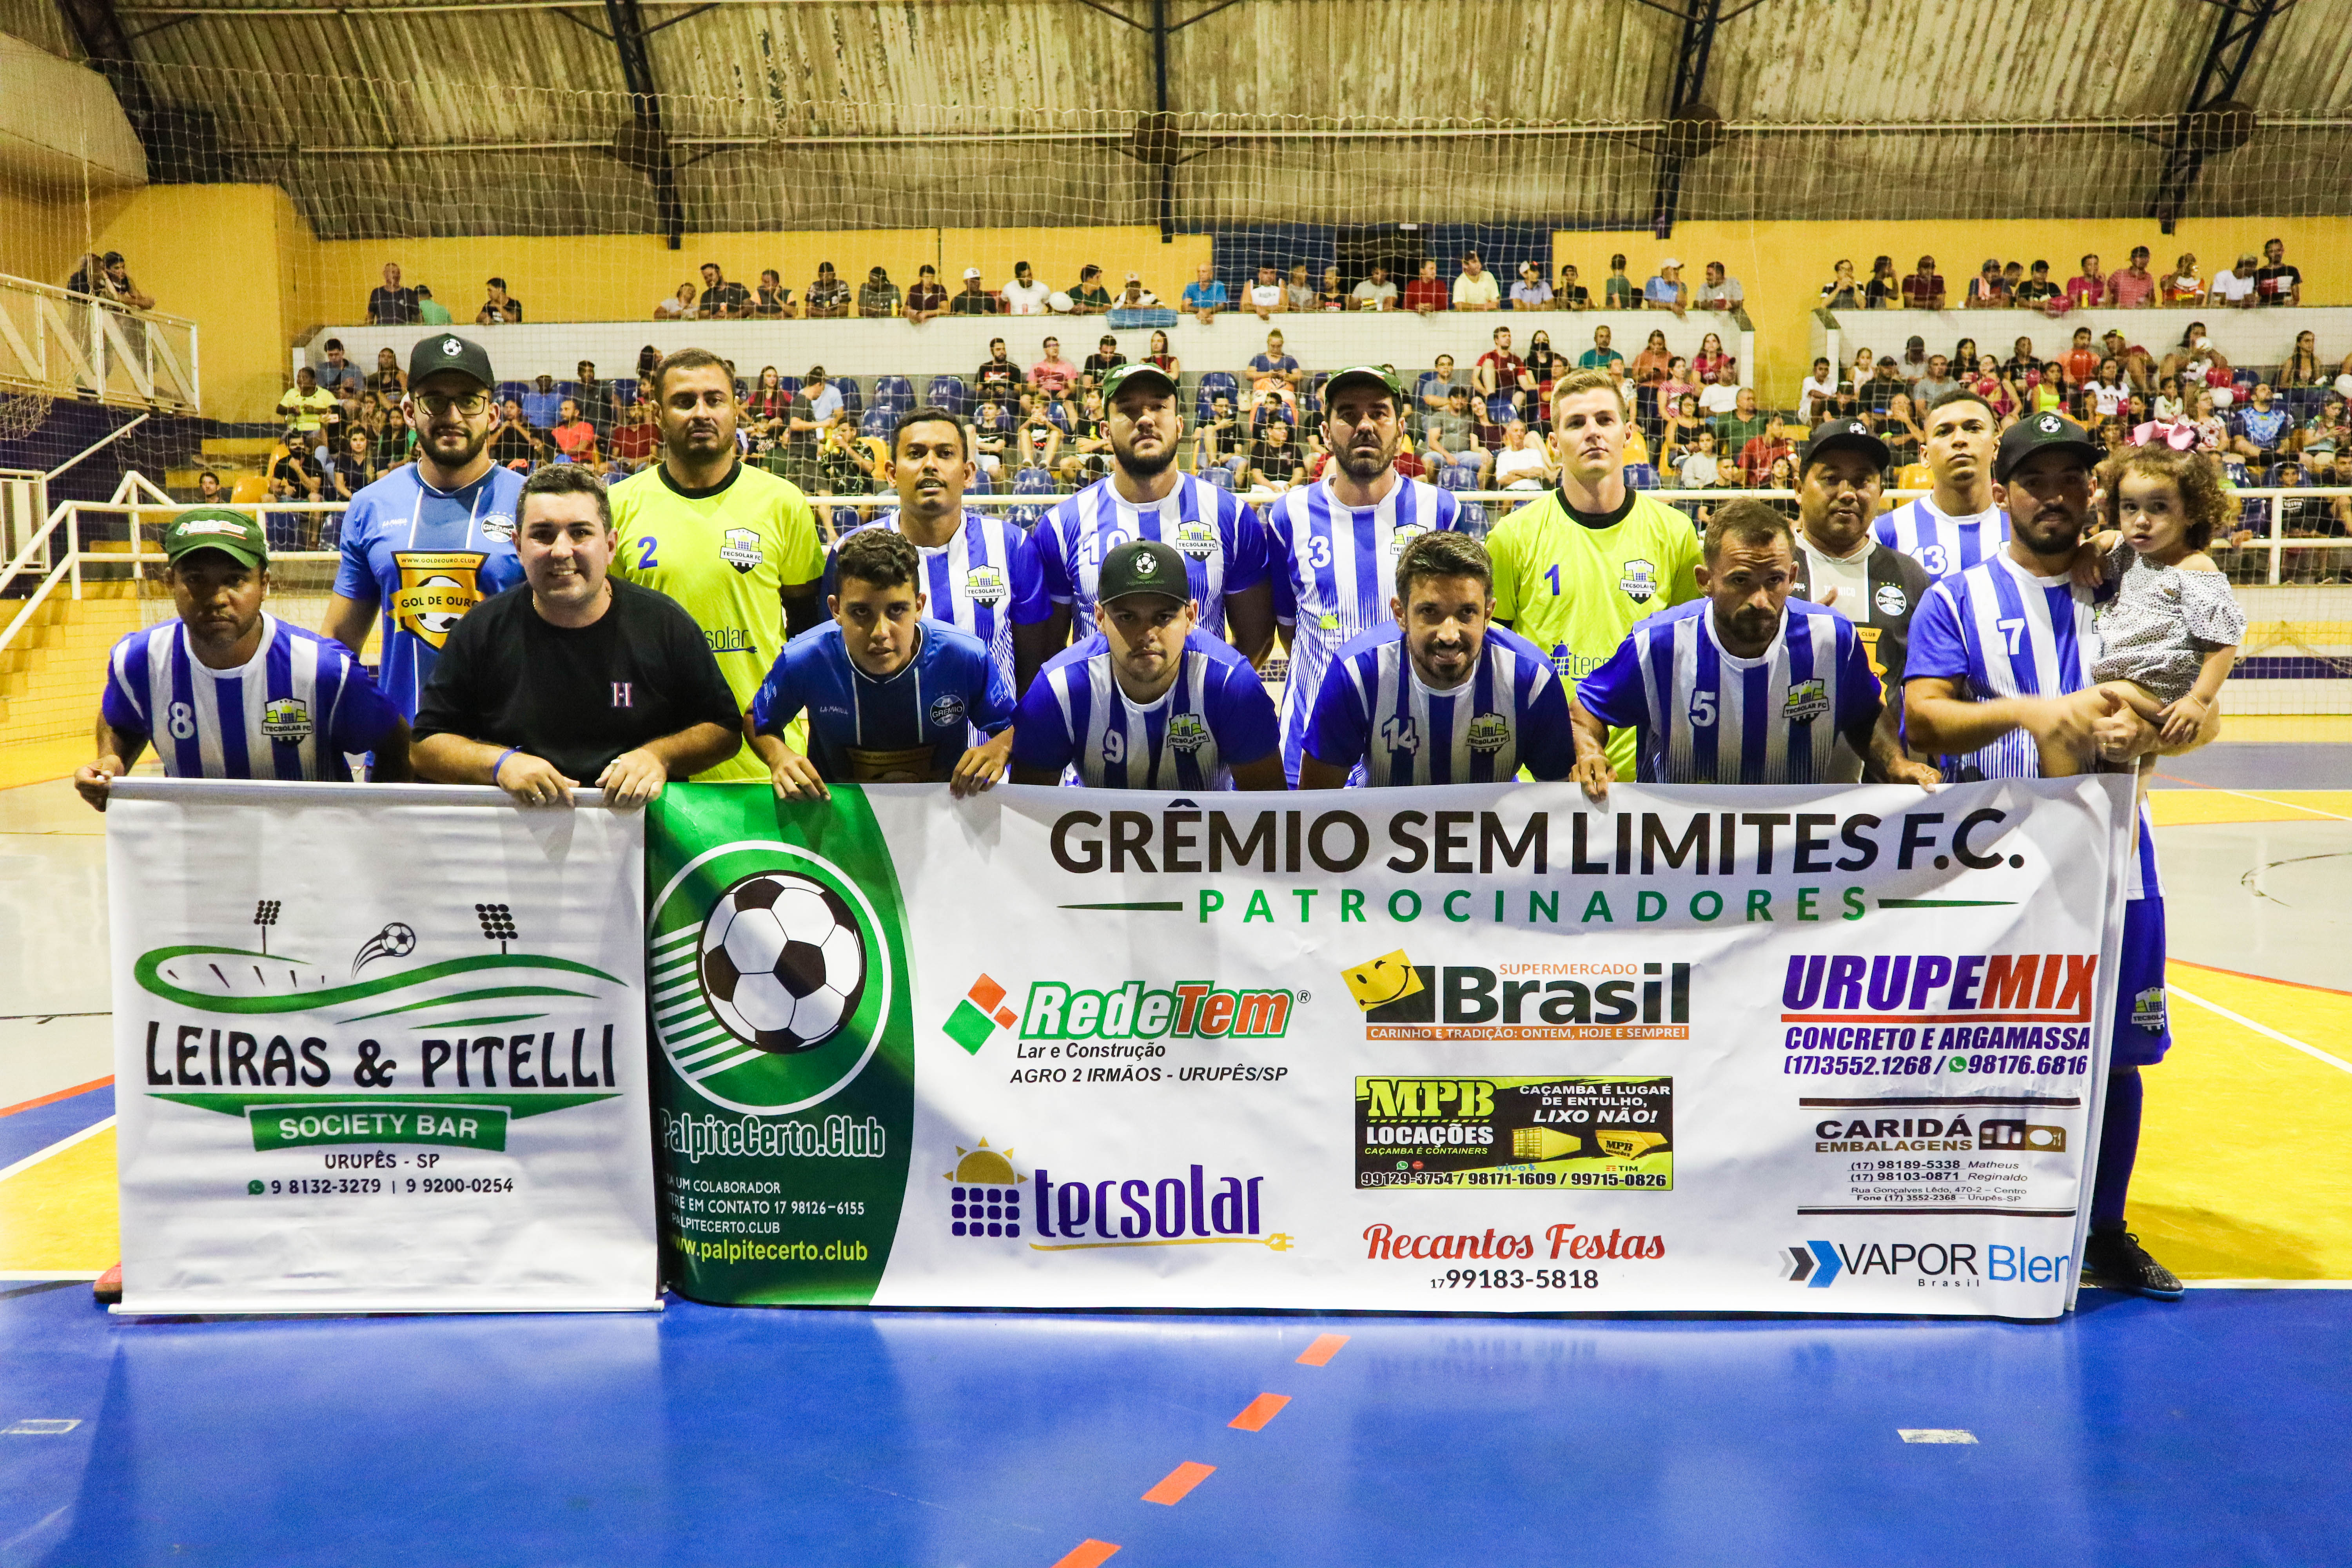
point(2171, 633)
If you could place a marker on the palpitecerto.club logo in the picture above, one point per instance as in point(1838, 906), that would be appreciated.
point(768, 975)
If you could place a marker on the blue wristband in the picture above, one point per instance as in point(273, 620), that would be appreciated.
point(510, 752)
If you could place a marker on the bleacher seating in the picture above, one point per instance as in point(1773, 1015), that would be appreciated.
point(1640, 477)
point(896, 387)
point(1219, 474)
point(949, 392)
point(878, 420)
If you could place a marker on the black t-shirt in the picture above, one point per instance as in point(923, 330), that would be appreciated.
point(2034, 290)
point(1279, 464)
point(1224, 437)
point(725, 295)
point(1099, 365)
point(2273, 285)
point(514, 444)
point(578, 697)
point(967, 303)
point(509, 312)
point(997, 375)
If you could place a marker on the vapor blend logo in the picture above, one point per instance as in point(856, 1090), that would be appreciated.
point(1924, 1265)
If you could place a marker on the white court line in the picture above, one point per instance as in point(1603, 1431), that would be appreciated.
point(62, 1144)
point(2269, 1284)
point(2339, 1063)
point(2283, 805)
point(39, 1276)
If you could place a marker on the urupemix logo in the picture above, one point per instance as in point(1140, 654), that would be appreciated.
point(1934, 987)
point(1617, 1000)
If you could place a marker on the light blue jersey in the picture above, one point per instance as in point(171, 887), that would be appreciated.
point(425, 557)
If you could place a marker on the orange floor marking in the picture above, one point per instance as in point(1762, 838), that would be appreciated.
point(1088, 1553)
point(1178, 1483)
point(1258, 1412)
point(1325, 1347)
point(53, 1098)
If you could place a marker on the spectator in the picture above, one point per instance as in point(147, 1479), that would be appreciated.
point(1275, 457)
point(1666, 291)
point(2329, 430)
point(2169, 407)
point(2037, 290)
point(1297, 293)
point(1884, 290)
point(1617, 289)
point(771, 302)
point(1053, 375)
point(1501, 371)
point(1089, 297)
point(1885, 383)
point(1037, 438)
point(1375, 292)
point(209, 491)
point(1899, 429)
point(1170, 365)
point(2082, 361)
point(2133, 288)
point(350, 472)
point(1530, 292)
point(768, 411)
point(636, 437)
point(1435, 387)
point(1697, 468)
point(544, 404)
point(2277, 282)
point(1265, 297)
point(594, 396)
point(1711, 358)
point(1101, 362)
point(2262, 428)
point(814, 407)
point(1206, 295)
point(388, 305)
point(500, 308)
point(2183, 286)
point(998, 377)
point(926, 298)
point(2012, 273)
point(1522, 464)
point(1544, 367)
point(1450, 435)
point(294, 470)
point(1817, 391)
point(388, 381)
point(1598, 355)
point(1935, 384)
point(1273, 372)
point(1924, 290)
point(1649, 366)
point(2236, 286)
point(1683, 424)
point(339, 372)
point(1475, 288)
point(1914, 362)
point(575, 436)
point(1988, 291)
point(679, 307)
point(877, 296)
point(1722, 395)
point(1760, 451)
point(1720, 292)
point(1734, 430)
point(827, 300)
point(305, 407)
point(2131, 358)
point(1427, 293)
point(1085, 450)
point(2088, 289)
point(1571, 295)
point(1134, 295)
point(1220, 440)
point(1331, 296)
point(1842, 293)
point(430, 312)
point(974, 300)
point(516, 445)
point(1025, 296)
point(2021, 361)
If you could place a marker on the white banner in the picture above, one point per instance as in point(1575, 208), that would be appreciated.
point(378, 1048)
point(1770, 1049)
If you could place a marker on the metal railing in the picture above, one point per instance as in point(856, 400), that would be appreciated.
point(68, 345)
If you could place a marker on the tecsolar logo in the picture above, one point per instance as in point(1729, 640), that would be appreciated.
point(986, 1199)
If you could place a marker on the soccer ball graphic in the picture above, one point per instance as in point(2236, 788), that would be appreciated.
point(782, 962)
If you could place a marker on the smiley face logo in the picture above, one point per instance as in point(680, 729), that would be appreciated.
point(1378, 981)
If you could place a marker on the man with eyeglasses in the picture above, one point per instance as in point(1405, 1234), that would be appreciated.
point(429, 540)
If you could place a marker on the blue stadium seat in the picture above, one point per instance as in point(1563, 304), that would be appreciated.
point(948, 392)
point(1025, 517)
point(878, 420)
point(896, 386)
point(844, 519)
point(1059, 412)
point(852, 397)
point(1456, 476)
point(624, 392)
point(1472, 520)
point(541, 408)
point(789, 385)
point(1214, 384)
point(1219, 474)
point(981, 484)
point(1033, 482)
point(1640, 477)
point(514, 389)
point(1500, 410)
point(2245, 378)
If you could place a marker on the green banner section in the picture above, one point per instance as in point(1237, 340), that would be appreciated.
point(378, 1121)
point(780, 993)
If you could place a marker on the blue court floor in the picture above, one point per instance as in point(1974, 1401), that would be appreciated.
point(2202, 1434)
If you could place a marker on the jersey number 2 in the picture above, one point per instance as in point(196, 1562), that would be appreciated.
point(645, 561)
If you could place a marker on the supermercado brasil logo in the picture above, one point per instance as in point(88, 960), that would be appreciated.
point(377, 1050)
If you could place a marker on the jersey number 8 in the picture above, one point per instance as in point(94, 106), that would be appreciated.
point(181, 721)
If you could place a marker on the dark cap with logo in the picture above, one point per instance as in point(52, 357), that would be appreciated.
point(1388, 382)
point(233, 534)
point(447, 351)
point(1143, 566)
point(1141, 373)
point(2044, 433)
point(1841, 436)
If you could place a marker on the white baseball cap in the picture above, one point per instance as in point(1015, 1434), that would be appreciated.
point(971, 271)
point(1668, 262)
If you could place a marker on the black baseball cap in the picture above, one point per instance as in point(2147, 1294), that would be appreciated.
point(1143, 566)
point(1841, 436)
point(2044, 432)
point(447, 351)
point(1138, 371)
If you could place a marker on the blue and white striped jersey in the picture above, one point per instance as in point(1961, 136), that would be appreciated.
point(1704, 716)
point(1998, 630)
point(1334, 573)
point(293, 711)
point(1222, 542)
point(1216, 715)
point(985, 580)
point(1374, 710)
point(1939, 542)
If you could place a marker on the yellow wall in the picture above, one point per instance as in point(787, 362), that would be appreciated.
point(42, 235)
point(1782, 266)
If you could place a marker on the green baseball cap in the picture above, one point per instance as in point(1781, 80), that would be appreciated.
point(1143, 566)
point(1387, 379)
point(233, 534)
point(1138, 372)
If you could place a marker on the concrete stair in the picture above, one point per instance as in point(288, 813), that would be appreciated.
point(51, 675)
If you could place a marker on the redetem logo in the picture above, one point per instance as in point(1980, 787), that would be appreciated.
point(979, 1016)
point(1190, 1009)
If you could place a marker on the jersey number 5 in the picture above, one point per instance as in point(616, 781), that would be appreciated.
point(1702, 709)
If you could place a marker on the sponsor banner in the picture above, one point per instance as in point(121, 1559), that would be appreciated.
point(378, 1048)
point(1832, 1049)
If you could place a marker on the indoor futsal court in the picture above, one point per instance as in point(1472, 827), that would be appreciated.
point(619, 516)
